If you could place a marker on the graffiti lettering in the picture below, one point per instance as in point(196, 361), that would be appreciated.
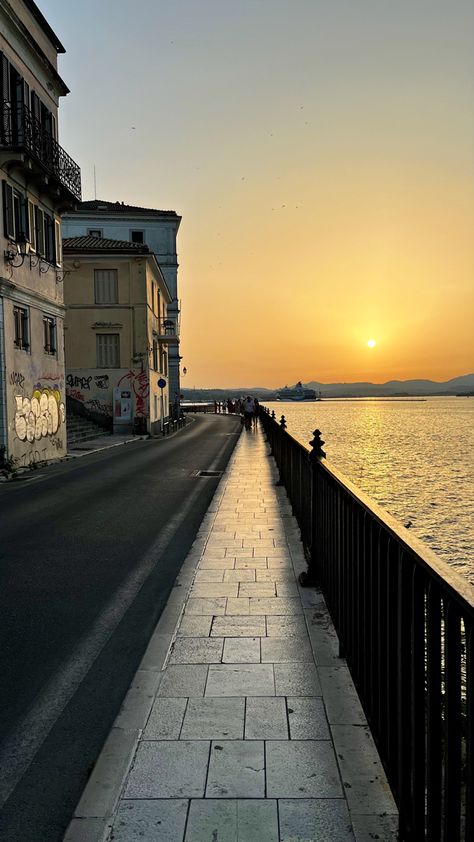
point(57, 443)
point(17, 379)
point(31, 458)
point(102, 381)
point(38, 416)
point(99, 406)
point(76, 394)
point(79, 382)
point(141, 389)
point(58, 378)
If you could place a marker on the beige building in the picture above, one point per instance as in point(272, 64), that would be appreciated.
point(39, 182)
point(117, 334)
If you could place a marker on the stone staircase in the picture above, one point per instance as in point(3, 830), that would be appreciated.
point(81, 429)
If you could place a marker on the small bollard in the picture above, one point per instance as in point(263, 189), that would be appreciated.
point(308, 578)
point(283, 422)
point(317, 446)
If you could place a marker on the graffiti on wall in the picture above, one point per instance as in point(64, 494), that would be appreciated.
point(72, 381)
point(138, 381)
point(40, 415)
point(17, 379)
point(95, 391)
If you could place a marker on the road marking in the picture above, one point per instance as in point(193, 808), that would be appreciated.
point(22, 744)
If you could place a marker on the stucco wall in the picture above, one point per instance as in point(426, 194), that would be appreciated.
point(35, 393)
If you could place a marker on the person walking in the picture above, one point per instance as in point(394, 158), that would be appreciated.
point(249, 410)
point(255, 412)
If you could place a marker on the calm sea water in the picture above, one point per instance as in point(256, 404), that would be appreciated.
point(413, 457)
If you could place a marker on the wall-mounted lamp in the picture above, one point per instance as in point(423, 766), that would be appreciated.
point(16, 252)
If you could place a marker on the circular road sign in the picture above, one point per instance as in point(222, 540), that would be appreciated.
point(161, 383)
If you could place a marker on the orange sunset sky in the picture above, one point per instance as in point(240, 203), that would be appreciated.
point(320, 153)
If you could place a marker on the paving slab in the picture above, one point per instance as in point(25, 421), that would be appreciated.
point(266, 719)
point(151, 821)
point(166, 719)
point(238, 820)
point(214, 719)
point(236, 770)
point(240, 680)
point(315, 820)
point(169, 770)
point(197, 650)
point(302, 769)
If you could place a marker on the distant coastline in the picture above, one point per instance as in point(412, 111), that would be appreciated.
point(462, 386)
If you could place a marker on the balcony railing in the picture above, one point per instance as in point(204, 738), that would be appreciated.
point(20, 130)
point(405, 622)
point(168, 330)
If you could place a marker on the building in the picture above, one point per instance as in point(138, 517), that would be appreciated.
point(155, 228)
point(39, 182)
point(117, 334)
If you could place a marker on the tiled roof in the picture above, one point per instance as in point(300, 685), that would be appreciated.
point(101, 244)
point(120, 207)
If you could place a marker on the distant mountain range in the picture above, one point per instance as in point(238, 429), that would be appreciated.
point(463, 385)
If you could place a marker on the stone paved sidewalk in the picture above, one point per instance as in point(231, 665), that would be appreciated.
point(256, 733)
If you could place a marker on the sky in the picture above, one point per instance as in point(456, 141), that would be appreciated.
point(320, 153)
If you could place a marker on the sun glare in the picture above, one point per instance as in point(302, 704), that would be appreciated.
point(371, 343)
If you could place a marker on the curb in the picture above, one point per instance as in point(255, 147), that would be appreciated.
point(93, 817)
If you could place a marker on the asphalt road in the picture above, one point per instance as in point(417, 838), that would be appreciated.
point(89, 551)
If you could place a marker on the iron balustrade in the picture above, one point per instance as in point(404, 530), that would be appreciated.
point(20, 129)
point(405, 623)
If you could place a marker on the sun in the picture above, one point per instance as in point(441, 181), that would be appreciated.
point(371, 343)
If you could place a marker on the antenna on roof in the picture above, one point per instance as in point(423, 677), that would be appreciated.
point(95, 185)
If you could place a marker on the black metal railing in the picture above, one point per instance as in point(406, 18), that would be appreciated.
point(168, 329)
point(19, 129)
point(405, 623)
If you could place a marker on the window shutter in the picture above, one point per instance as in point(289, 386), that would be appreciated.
point(58, 242)
point(24, 218)
point(8, 217)
point(39, 224)
point(6, 125)
point(49, 239)
point(31, 225)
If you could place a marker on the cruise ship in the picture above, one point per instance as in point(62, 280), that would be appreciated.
point(297, 393)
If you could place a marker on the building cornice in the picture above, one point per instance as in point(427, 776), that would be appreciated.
point(29, 298)
point(33, 45)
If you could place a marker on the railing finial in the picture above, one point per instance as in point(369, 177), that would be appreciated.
point(273, 414)
point(316, 444)
point(283, 422)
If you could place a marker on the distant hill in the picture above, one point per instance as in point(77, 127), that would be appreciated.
point(393, 388)
point(463, 385)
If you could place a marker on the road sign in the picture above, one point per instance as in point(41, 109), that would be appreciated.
point(162, 383)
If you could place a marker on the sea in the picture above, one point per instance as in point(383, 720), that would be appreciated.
point(412, 456)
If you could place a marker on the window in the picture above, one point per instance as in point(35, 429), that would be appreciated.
point(108, 350)
point(165, 363)
point(20, 316)
point(95, 232)
point(15, 214)
point(106, 286)
point(155, 355)
point(137, 236)
point(49, 332)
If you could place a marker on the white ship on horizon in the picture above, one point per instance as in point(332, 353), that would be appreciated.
point(297, 393)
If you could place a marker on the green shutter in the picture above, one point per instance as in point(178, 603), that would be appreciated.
point(8, 217)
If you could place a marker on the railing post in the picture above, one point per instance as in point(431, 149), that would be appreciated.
point(308, 578)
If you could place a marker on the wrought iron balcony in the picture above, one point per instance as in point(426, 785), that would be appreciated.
point(20, 131)
point(168, 332)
